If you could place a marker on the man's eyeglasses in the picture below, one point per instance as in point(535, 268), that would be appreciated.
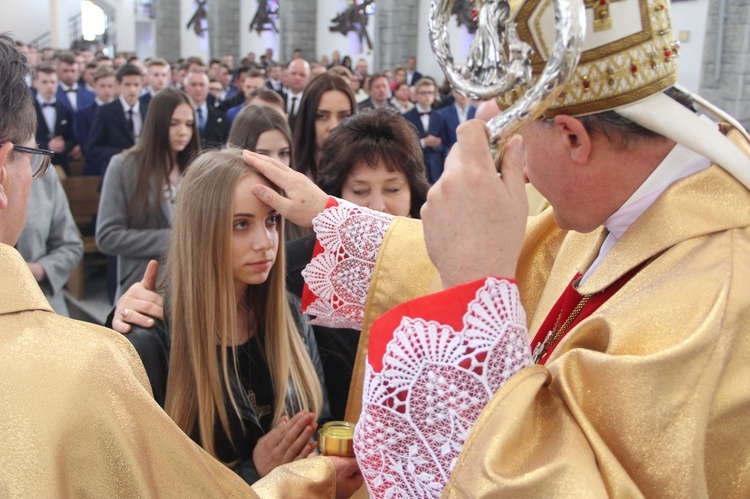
point(40, 159)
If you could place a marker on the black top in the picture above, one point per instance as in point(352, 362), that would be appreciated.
point(254, 397)
point(337, 347)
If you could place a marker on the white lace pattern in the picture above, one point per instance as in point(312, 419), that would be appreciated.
point(340, 276)
point(418, 411)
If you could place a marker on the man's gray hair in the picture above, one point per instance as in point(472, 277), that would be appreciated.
point(621, 131)
point(17, 115)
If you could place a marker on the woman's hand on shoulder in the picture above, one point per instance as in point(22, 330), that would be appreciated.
point(302, 200)
point(287, 442)
point(140, 304)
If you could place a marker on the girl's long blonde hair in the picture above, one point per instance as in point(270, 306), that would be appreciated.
point(201, 293)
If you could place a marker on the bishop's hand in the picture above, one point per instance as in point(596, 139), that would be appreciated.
point(474, 219)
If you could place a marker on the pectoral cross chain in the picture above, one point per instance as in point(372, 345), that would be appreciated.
point(541, 348)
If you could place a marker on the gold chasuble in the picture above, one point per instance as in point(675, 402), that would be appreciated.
point(647, 396)
point(77, 417)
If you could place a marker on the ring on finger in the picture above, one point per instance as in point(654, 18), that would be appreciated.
point(124, 312)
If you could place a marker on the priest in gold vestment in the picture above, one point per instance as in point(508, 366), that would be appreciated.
point(635, 284)
point(77, 417)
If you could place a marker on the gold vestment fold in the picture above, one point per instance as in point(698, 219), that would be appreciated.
point(77, 417)
point(648, 396)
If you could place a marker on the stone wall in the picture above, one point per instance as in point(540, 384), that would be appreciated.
point(298, 20)
point(731, 91)
point(167, 29)
point(397, 31)
point(224, 28)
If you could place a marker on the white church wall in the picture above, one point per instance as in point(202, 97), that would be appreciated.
point(251, 41)
point(350, 44)
point(460, 40)
point(190, 43)
point(689, 26)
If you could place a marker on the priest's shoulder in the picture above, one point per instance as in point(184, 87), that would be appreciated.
point(68, 348)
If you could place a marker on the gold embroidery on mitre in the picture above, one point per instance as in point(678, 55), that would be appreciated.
point(602, 19)
point(631, 58)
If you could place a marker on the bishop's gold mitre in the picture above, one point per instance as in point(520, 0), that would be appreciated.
point(628, 53)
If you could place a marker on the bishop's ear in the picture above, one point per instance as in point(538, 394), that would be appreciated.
point(574, 137)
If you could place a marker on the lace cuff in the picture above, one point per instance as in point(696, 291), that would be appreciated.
point(438, 371)
point(337, 280)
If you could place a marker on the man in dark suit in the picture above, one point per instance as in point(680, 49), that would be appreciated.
point(274, 79)
point(69, 93)
point(254, 79)
point(429, 125)
point(377, 89)
point(453, 115)
point(212, 123)
point(117, 125)
point(54, 129)
point(412, 75)
point(299, 76)
point(104, 88)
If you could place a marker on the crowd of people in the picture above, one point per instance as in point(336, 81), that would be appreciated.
point(92, 112)
point(311, 241)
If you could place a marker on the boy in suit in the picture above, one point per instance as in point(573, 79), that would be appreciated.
point(117, 125)
point(159, 74)
point(69, 93)
point(453, 115)
point(429, 126)
point(54, 129)
point(104, 87)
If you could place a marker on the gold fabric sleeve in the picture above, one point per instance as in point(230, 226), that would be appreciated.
point(78, 419)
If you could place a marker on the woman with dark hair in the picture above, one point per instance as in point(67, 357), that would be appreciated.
point(401, 99)
point(328, 100)
point(263, 130)
point(347, 63)
point(140, 187)
point(372, 159)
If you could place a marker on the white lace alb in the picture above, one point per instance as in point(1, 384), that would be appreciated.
point(418, 411)
point(340, 276)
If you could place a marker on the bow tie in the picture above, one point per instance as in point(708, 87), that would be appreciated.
point(426, 113)
point(70, 90)
point(48, 104)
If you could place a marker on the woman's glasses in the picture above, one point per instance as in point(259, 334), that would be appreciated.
point(40, 159)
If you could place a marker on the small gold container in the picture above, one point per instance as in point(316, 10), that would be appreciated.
point(336, 438)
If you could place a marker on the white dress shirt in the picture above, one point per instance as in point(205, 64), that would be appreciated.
point(292, 105)
point(137, 119)
point(49, 113)
point(72, 95)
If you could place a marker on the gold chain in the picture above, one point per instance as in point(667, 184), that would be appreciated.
point(569, 321)
point(552, 337)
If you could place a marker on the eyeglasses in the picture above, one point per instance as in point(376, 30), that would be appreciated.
point(40, 159)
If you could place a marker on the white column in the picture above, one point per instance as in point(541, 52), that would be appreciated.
point(125, 26)
point(59, 25)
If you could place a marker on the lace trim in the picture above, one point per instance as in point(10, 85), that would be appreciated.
point(340, 276)
point(417, 412)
